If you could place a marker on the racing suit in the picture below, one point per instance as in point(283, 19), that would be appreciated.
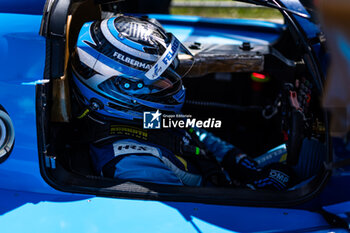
point(191, 157)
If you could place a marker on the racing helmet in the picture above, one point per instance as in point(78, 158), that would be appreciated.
point(124, 66)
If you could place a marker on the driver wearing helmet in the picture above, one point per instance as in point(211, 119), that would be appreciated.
point(125, 66)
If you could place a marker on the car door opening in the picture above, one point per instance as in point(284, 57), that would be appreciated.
point(263, 97)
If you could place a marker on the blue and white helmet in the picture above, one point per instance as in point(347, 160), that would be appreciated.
point(124, 66)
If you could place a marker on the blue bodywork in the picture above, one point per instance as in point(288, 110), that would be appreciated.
point(33, 7)
point(29, 204)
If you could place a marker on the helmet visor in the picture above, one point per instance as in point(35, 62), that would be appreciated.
point(165, 74)
point(176, 54)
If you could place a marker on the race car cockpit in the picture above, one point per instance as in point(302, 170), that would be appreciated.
point(261, 80)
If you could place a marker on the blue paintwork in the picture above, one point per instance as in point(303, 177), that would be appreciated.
point(54, 213)
point(310, 29)
point(22, 6)
point(337, 190)
point(22, 57)
point(344, 47)
point(230, 31)
point(26, 198)
point(339, 209)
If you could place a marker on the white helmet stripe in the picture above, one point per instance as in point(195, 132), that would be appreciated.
point(105, 71)
point(108, 35)
point(86, 58)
